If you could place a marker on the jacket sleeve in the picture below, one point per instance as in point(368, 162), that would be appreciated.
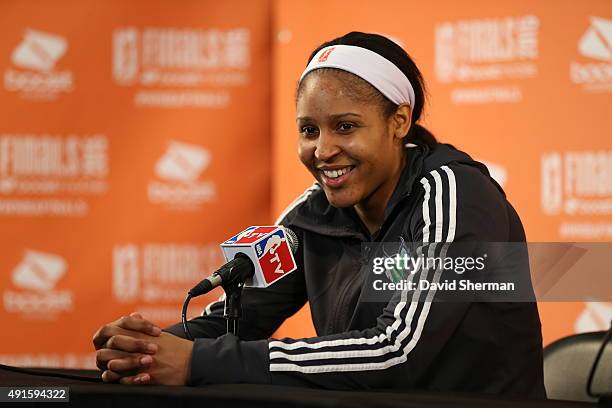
point(457, 203)
point(263, 309)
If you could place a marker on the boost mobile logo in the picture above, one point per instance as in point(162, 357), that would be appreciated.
point(182, 162)
point(39, 51)
point(39, 271)
point(180, 168)
point(37, 274)
point(595, 316)
point(596, 44)
point(597, 41)
point(38, 54)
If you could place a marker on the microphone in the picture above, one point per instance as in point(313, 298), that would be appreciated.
point(257, 257)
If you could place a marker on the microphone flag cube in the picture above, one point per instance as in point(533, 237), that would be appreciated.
point(269, 250)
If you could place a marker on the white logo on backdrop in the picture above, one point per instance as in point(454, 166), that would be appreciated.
point(38, 54)
point(597, 40)
point(125, 55)
point(39, 51)
point(37, 275)
point(183, 58)
point(487, 50)
point(577, 183)
point(154, 273)
point(596, 316)
point(126, 276)
point(34, 169)
point(596, 44)
point(182, 162)
point(39, 271)
point(180, 168)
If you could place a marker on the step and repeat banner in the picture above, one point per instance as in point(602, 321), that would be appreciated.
point(137, 135)
point(524, 86)
point(134, 139)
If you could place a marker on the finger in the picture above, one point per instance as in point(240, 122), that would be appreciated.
point(110, 376)
point(122, 326)
point(130, 344)
point(136, 361)
point(103, 356)
point(106, 332)
point(137, 323)
point(117, 360)
point(100, 337)
point(140, 379)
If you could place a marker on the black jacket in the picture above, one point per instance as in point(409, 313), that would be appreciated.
point(406, 342)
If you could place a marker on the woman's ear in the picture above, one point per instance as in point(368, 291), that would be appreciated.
point(401, 121)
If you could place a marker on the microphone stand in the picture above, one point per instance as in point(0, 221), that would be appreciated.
point(233, 309)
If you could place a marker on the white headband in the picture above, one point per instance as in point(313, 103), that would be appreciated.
point(381, 73)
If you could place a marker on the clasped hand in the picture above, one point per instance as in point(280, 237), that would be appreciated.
point(132, 350)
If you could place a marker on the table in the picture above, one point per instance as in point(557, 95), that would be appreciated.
point(91, 392)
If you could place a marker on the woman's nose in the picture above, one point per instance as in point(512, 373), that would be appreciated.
point(326, 147)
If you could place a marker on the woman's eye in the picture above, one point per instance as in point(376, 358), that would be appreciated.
point(308, 130)
point(345, 127)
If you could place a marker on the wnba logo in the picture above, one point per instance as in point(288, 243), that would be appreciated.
point(126, 278)
point(552, 198)
point(325, 54)
point(125, 55)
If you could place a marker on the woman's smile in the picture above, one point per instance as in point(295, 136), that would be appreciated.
point(335, 176)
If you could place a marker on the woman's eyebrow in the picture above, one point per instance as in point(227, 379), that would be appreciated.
point(342, 115)
point(335, 116)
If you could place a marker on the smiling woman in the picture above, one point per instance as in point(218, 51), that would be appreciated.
point(352, 148)
point(381, 178)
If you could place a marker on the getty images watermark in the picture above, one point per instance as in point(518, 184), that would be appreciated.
point(487, 271)
point(397, 267)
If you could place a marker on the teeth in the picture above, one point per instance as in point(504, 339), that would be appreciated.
point(336, 173)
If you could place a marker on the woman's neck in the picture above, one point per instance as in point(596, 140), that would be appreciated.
point(371, 211)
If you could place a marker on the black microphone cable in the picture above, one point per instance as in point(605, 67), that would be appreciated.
point(184, 316)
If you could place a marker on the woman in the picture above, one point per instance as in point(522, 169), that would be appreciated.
point(380, 178)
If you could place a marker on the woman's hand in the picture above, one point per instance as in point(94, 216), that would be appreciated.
point(116, 341)
point(169, 365)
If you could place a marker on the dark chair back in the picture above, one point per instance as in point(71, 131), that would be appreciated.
point(567, 363)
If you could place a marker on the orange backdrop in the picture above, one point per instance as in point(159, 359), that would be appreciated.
point(135, 136)
point(122, 126)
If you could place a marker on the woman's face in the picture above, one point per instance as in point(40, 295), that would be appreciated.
point(347, 144)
